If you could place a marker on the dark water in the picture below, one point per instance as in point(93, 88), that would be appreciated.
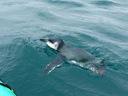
point(98, 26)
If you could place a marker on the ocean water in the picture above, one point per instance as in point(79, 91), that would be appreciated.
point(98, 26)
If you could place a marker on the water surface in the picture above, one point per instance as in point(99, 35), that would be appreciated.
point(98, 26)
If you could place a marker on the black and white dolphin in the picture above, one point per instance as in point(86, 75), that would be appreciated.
point(73, 55)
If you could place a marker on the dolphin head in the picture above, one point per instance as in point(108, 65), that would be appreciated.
point(55, 43)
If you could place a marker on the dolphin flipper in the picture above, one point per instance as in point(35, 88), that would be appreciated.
point(55, 63)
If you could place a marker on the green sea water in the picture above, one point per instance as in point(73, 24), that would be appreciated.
point(97, 26)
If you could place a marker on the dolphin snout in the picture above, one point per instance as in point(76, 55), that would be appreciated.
point(43, 40)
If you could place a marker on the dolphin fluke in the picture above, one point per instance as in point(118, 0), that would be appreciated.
point(99, 70)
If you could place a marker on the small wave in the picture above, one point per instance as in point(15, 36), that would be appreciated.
point(11, 3)
point(47, 16)
point(105, 3)
point(66, 3)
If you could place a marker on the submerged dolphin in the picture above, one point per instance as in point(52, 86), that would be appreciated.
point(73, 55)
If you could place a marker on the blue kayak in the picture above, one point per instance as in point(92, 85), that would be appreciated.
point(5, 91)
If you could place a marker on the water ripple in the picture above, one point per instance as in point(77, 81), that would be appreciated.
point(66, 4)
point(105, 3)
